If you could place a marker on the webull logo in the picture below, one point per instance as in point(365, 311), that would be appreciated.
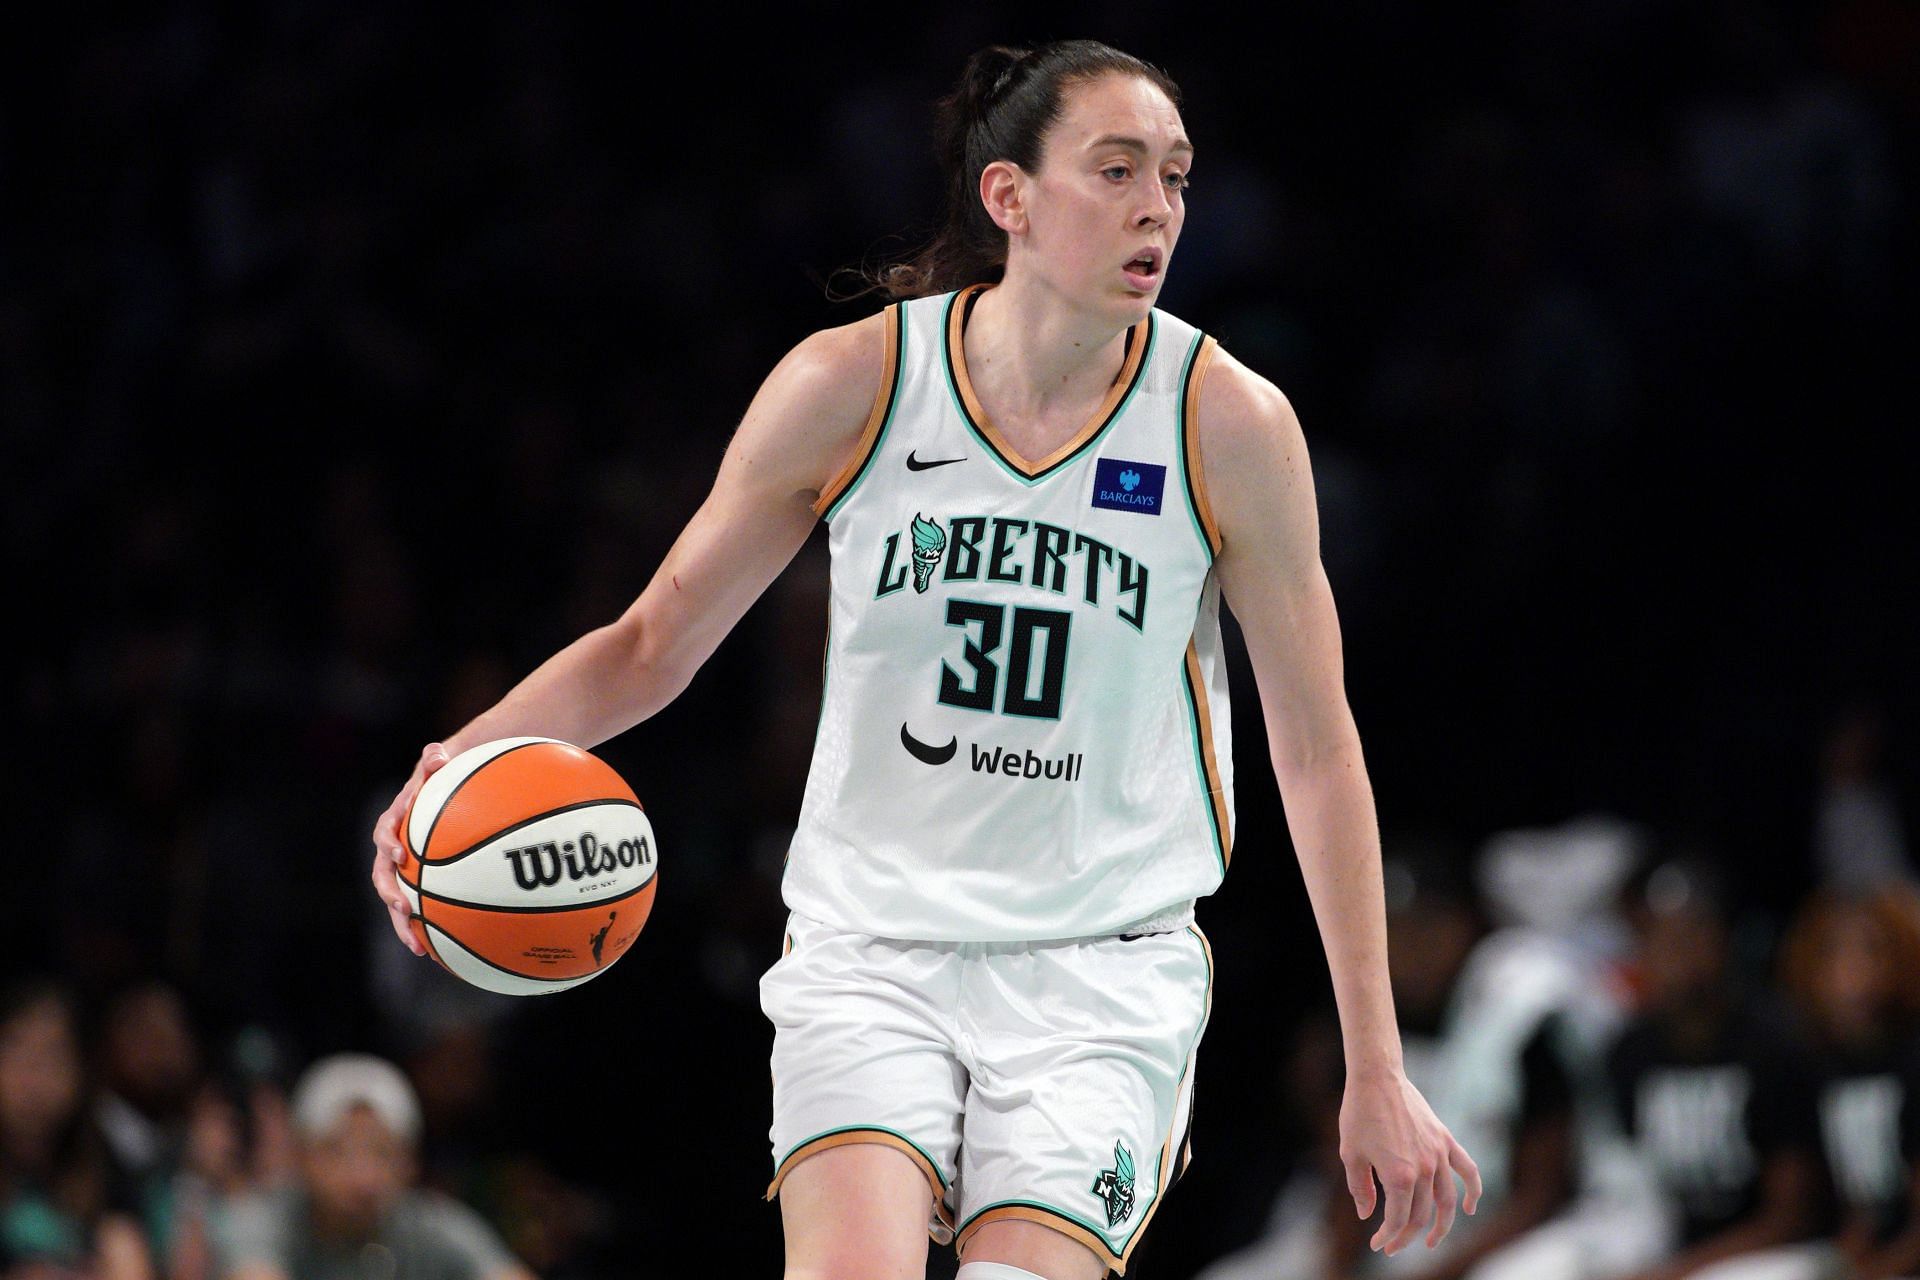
point(1025, 764)
point(536, 866)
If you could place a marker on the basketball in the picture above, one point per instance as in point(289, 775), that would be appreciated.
point(529, 867)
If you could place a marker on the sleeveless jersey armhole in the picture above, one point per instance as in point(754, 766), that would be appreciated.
point(1199, 358)
point(875, 430)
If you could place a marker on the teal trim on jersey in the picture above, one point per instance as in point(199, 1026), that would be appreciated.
point(1186, 477)
point(960, 407)
point(1200, 762)
point(870, 1128)
point(893, 402)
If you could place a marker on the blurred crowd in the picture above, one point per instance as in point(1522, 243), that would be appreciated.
point(1654, 1084)
point(355, 357)
point(128, 1153)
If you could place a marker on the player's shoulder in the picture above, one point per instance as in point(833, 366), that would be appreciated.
point(848, 358)
point(1253, 456)
point(822, 390)
point(1241, 409)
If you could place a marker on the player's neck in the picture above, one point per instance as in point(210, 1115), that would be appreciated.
point(1032, 356)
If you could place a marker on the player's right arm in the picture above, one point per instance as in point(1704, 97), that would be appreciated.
point(800, 431)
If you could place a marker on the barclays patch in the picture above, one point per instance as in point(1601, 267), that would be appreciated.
point(1129, 486)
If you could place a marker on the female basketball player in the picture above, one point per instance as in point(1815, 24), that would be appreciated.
point(1036, 486)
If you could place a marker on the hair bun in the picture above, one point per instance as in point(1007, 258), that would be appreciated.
point(986, 75)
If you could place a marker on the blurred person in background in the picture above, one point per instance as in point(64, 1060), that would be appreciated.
point(238, 1140)
point(64, 1215)
point(1859, 833)
point(354, 1211)
point(1717, 1092)
point(552, 1224)
point(1849, 964)
point(1311, 1233)
point(1493, 1024)
point(147, 1062)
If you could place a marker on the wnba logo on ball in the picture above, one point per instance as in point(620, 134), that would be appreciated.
point(536, 866)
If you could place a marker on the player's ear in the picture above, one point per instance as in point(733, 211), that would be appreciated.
point(1003, 190)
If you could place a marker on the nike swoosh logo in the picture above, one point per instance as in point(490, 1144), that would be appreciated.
point(924, 752)
point(914, 464)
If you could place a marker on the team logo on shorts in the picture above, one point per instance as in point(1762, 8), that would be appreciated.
point(1115, 1186)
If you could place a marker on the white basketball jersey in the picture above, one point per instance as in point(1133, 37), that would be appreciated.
point(1024, 733)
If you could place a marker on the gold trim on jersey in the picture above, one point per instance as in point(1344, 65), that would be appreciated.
point(883, 402)
point(1209, 765)
point(1190, 441)
point(957, 364)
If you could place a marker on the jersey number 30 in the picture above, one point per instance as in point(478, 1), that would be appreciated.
point(1030, 628)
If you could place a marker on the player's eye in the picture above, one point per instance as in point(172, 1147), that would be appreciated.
point(1178, 181)
point(1118, 172)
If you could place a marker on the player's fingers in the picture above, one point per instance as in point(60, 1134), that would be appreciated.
point(1419, 1214)
point(1445, 1198)
point(399, 910)
point(1398, 1183)
point(1360, 1186)
point(386, 832)
point(1469, 1172)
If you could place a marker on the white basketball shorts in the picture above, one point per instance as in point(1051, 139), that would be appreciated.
point(1044, 1081)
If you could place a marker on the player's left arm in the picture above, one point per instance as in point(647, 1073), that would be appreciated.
point(1256, 472)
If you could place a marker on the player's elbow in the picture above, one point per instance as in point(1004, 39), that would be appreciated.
point(649, 662)
point(1303, 755)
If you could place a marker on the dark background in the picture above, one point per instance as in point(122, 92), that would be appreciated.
point(354, 358)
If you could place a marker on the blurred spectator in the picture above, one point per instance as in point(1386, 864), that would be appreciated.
point(1859, 839)
point(354, 1213)
point(63, 1214)
point(465, 1152)
point(1499, 1030)
point(1311, 1232)
point(148, 1065)
point(1849, 963)
point(1717, 1093)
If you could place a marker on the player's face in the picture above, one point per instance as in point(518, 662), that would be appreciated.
point(1106, 208)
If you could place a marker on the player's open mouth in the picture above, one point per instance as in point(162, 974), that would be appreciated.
point(1143, 269)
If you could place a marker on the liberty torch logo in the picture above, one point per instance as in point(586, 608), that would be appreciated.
point(929, 541)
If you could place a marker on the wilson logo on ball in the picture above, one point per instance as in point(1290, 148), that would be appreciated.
point(536, 866)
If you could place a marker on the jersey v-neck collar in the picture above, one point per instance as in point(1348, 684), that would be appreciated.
point(954, 356)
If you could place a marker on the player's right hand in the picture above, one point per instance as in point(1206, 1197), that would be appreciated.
point(388, 853)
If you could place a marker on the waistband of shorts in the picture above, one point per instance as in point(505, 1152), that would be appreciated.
point(1170, 919)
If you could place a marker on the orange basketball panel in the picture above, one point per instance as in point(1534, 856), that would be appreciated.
point(515, 786)
point(569, 943)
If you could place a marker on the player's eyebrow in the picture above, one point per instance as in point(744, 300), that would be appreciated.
point(1133, 144)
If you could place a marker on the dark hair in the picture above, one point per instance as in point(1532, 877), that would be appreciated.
point(1001, 109)
point(76, 1171)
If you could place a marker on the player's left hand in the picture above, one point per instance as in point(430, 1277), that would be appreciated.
point(1387, 1129)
